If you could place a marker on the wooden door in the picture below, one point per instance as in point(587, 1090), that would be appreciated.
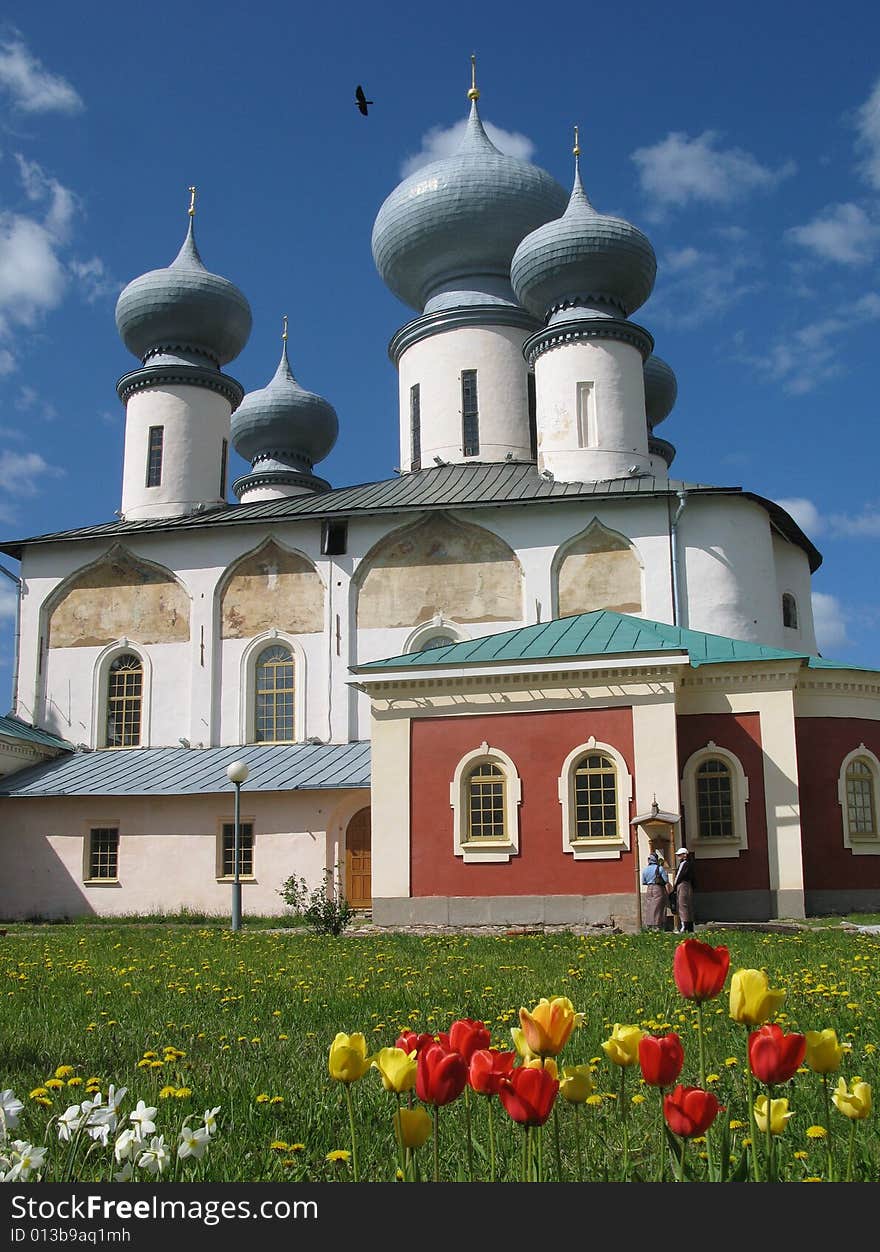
point(358, 865)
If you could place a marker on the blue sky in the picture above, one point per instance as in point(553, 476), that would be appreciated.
point(746, 144)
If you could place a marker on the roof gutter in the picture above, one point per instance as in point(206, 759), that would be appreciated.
point(673, 546)
point(17, 638)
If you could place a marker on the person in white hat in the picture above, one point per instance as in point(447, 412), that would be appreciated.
point(683, 887)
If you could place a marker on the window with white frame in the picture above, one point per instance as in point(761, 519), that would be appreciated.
point(438, 633)
point(715, 792)
point(485, 795)
point(595, 789)
point(102, 854)
point(226, 850)
point(125, 681)
point(274, 692)
point(857, 792)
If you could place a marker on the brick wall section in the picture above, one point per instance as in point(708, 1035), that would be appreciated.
point(739, 733)
point(538, 744)
point(822, 743)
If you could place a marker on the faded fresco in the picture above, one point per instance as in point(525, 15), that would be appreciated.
point(272, 589)
point(120, 597)
point(599, 570)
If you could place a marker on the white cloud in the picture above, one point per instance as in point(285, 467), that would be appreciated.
point(841, 232)
point(94, 281)
point(679, 169)
point(695, 286)
point(23, 475)
point(8, 598)
point(868, 136)
point(829, 620)
point(7, 362)
point(32, 88)
point(805, 514)
point(804, 358)
point(864, 525)
point(443, 141)
point(32, 278)
point(681, 259)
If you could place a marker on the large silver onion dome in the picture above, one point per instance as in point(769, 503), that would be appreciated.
point(283, 422)
point(184, 310)
point(661, 390)
point(447, 233)
point(584, 259)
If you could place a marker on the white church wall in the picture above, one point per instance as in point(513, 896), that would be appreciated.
point(793, 578)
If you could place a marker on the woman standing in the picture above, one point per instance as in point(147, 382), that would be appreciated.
point(684, 889)
point(656, 881)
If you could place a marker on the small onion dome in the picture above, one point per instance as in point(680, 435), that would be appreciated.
point(184, 310)
point(661, 390)
point(446, 234)
point(283, 422)
point(584, 259)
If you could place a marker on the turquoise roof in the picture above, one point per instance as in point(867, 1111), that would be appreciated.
point(12, 727)
point(603, 633)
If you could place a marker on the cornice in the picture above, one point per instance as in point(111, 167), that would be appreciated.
point(588, 328)
point(454, 319)
point(180, 375)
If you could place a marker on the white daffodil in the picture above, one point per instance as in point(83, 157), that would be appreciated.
point(125, 1174)
point(69, 1122)
point(211, 1120)
point(143, 1120)
point(156, 1156)
point(125, 1145)
point(115, 1098)
point(26, 1160)
point(9, 1111)
point(193, 1143)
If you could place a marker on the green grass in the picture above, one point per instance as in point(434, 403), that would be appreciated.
point(253, 1014)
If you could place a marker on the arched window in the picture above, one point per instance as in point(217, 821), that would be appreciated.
point(789, 611)
point(857, 791)
point(714, 800)
point(595, 797)
point(595, 789)
point(485, 794)
point(274, 691)
point(125, 683)
point(436, 641)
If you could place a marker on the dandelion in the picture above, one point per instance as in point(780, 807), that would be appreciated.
point(38, 1093)
point(338, 1156)
point(167, 1092)
point(262, 1098)
point(816, 1132)
point(278, 1145)
point(277, 1100)
point(64, 1071)
point(74, 1082)
point(54, 1084)
point(182, 1093)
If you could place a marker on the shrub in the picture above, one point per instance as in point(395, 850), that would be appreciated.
point(323, 909)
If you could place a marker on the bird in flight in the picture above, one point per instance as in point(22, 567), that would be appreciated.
point(361, 100)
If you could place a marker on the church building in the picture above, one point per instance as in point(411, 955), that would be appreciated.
point(482, 690)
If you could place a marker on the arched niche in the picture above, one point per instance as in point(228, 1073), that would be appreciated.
point(439, 567)
point(598, 569)
point(268, 589)
point(119, 595)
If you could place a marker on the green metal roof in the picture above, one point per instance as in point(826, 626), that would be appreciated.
point(603, 633)
point(14, 728)
point(475, 485)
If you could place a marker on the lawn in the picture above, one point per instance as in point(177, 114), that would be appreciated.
point(193, 1018)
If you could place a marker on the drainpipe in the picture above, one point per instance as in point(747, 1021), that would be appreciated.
point(17, 641)
point(673, 545)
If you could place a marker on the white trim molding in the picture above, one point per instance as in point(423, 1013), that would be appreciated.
point(486, 850)
point(605, 848)
point(247, 712)
point(100, 677)
point(860, 844)
point(715, 847)
point(438, 625)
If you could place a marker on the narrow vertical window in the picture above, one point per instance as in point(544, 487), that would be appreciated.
point(245, 850)
point(715, 800)
point(124, 700)
point(103, 853)
point(533, 416)
point(274, 695)
point(485, 797)
point(588, 435)
point(470, 418)
point(415, 426)
point(860, 813)
point(154, 456)
point(224, 460)
point(595, 798)
point(789, 611)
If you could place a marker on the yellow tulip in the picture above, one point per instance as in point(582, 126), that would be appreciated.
point(537, 1062)
point(752, 1001)
point(854, 1102)
point(576, 1084)
point(412, 1127)
point(519, 1042)
point(548, 1026)
point(623, 1046)
point(397, 1068)
point(348, 1058)
point(824, 1053)
point(779, 1115)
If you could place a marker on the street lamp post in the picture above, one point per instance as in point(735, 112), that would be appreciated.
point(237, 773)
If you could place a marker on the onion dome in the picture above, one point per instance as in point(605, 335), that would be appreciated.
point(445, 236)
point(585, 260)
point(661, 390)
point(184, 311)
point(283, 424)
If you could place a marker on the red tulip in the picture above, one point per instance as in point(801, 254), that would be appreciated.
point(467, 1036)
point(409, 1041)
point(661, 1058)
point(528, 1095)
point(690, 1111)
point(487, 1070)
point(773, 1055)
point(440, 1076)
point(700, 970)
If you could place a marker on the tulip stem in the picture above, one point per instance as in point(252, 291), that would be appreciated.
point(769, 1133)
point(354, 1155)
point(623, 1112)
point(828, 1128)
point(556, 1143)
point(470, 1141)
point(703, 1079)
point(402, 1151)
point(753, 1125)
point(491, 1141)
point(525, 1153)
point(436, 1143)
point(577, 1139)
point(538, 1133)
point(661, 1143)
point(852, 1149)
point(681, 1159)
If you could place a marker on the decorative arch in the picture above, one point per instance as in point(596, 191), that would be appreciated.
point(442, 567)
point(858, 793)
point(118, 594)
point(598, 569)
point(248, 684)
point(427, 636)
point(611, 844)
point(729, 778)
point(270, 587)
point(101, 675)
point(502, 848)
